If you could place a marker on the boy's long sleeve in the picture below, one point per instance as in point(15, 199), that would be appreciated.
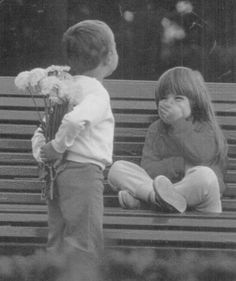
point(88, 113)
point(37, 141)
point(86, 133)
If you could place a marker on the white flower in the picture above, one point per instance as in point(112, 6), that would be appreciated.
point(58, 68)
point(171, 31)
point(22, 80)
point(54, 82)
point(47, 85)
point(54, 88)
point(60, 71)
point(62, 90)
point(64, 76)
point(184, 7)
point(74, 91)
point(36, 75)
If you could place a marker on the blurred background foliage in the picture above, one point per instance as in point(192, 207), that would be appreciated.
point(151, 35)
point(151, 265)
point(124, 265)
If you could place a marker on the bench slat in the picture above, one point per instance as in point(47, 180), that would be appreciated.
point(122, 147)
point(205, 223)
point(35, 185)
point(119, 212)
point(32, 171)
point(137, 120)
point(109, 200)
point(134, 88)
point(26, 132)
point(169, 238)
point(141, 106)
point(21, 184)
point(132, 237)
point(35, 198)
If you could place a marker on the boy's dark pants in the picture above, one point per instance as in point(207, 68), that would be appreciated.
point(75, 215)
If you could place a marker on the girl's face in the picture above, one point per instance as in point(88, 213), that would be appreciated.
point(182, 102)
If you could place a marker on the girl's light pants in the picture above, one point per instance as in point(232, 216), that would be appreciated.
point(199, 187)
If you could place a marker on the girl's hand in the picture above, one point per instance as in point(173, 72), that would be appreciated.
point(169, 113)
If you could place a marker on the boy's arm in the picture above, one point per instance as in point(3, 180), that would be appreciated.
point(172, 167)
point(88, 113)
point(37, 141)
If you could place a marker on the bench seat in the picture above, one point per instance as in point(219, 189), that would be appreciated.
point(23, 213)
point(137, 228)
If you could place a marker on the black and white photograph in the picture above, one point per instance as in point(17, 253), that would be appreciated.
point(117, 140)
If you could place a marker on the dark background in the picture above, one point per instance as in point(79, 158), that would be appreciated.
point(31, 31)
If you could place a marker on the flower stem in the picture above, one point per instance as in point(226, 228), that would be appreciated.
point(35, 104)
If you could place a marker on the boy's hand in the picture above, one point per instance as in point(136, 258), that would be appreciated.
point(48, 153)
point(169, 113)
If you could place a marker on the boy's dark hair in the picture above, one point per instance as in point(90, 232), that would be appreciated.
point(87, 44)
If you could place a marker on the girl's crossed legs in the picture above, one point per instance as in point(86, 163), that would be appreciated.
point(199, 189)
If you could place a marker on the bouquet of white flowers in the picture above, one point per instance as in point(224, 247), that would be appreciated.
point(54, 85)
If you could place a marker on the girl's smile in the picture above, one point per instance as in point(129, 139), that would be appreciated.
point(182, 102)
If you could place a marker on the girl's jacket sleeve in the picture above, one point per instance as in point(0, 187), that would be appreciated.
point(197, 142)
point(88, 113)
point(155, 164)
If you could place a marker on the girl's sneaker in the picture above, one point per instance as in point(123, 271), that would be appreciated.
point(167, 197)
point(127, 201)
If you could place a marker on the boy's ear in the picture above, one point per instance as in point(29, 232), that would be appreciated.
point(108, 58)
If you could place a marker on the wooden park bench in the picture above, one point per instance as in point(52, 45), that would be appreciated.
point(23, 213)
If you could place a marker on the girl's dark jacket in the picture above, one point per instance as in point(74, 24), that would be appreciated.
point(169, 149)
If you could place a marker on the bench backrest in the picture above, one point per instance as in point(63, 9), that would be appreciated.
point(134, 109)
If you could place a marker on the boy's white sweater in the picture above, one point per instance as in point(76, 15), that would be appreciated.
point(87, 132)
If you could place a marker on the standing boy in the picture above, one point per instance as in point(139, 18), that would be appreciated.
point(86, 137)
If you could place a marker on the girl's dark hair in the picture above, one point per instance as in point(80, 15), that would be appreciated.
point(87, 44)
point(184, 81)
